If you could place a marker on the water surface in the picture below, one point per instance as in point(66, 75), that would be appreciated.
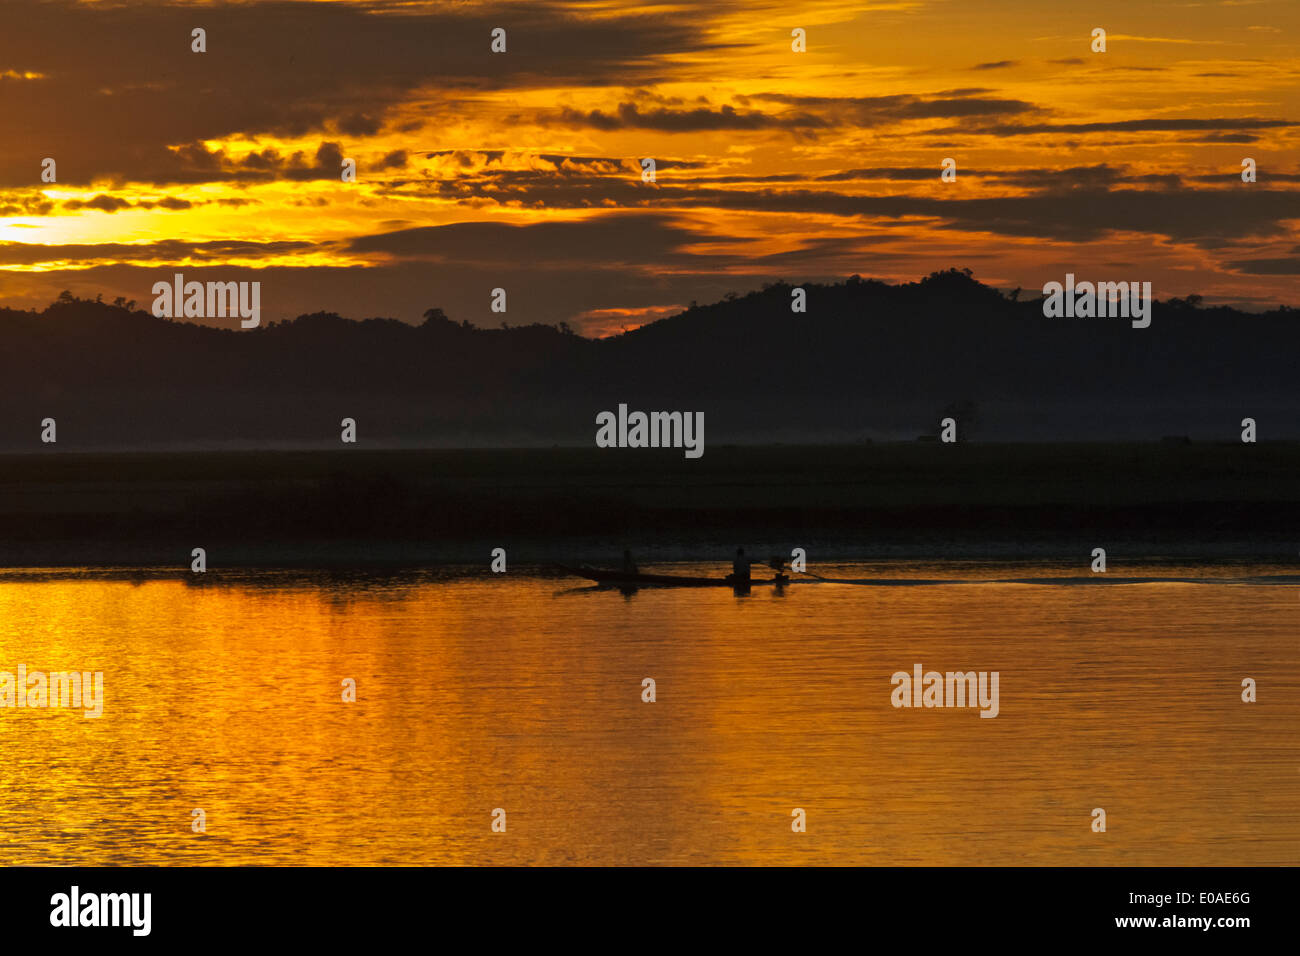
point(524, 692)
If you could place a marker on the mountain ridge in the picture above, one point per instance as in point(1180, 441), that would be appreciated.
point(868, 360)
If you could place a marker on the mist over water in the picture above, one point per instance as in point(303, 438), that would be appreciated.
point(523, 691)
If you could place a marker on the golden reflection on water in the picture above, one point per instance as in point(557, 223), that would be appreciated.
point(524, 693)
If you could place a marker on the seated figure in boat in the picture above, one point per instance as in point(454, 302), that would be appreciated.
point(629, 566)
point(740, 569)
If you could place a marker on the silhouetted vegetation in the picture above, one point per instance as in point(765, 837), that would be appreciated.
point(355, 507)
point(867, 360)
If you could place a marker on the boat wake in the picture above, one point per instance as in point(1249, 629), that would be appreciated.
point(1098, 579)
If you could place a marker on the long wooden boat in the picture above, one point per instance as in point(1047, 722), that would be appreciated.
point(602, 576)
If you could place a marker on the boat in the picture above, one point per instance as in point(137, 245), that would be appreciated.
point(627, 579)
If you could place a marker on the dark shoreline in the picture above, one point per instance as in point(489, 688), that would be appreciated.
point(358, 508)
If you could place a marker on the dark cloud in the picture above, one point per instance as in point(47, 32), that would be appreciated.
point(194, 163)
point(595, 187)
point(1126, 126)
point(615, 242)
point(101, 202)
point(1073, 177)
point(879, 110)
point(896, 173)
point(359, 124)
point(601, 242)
point(1098, 176)
point(1289, 266)
point(106, 203)
point(22, 253)
point(19, 203)
point(996, 65)
point(1083, 212)
point(630, 116)
point(1072, 215)
point(122, 85)
point(806, 113)
point(1232, 177)
point(565, 163)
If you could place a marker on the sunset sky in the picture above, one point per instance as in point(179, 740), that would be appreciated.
point(522, 169)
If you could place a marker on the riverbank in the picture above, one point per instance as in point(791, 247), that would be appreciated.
point(356, 508)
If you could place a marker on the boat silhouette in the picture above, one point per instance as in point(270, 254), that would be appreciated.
point(639, 579)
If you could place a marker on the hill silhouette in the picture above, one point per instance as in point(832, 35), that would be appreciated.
point(867, 360)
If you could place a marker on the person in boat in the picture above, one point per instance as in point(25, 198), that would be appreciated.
point(629, 566)
point(740, 569)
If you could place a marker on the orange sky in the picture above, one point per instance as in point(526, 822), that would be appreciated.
point(522, 169)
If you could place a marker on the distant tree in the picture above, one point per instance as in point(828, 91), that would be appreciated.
point(1014, 294)
point(1194, 301)
point(435, 316)
point(949, 274)
point(66, 296)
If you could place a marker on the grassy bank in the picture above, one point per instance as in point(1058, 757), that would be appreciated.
point(356, 507)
